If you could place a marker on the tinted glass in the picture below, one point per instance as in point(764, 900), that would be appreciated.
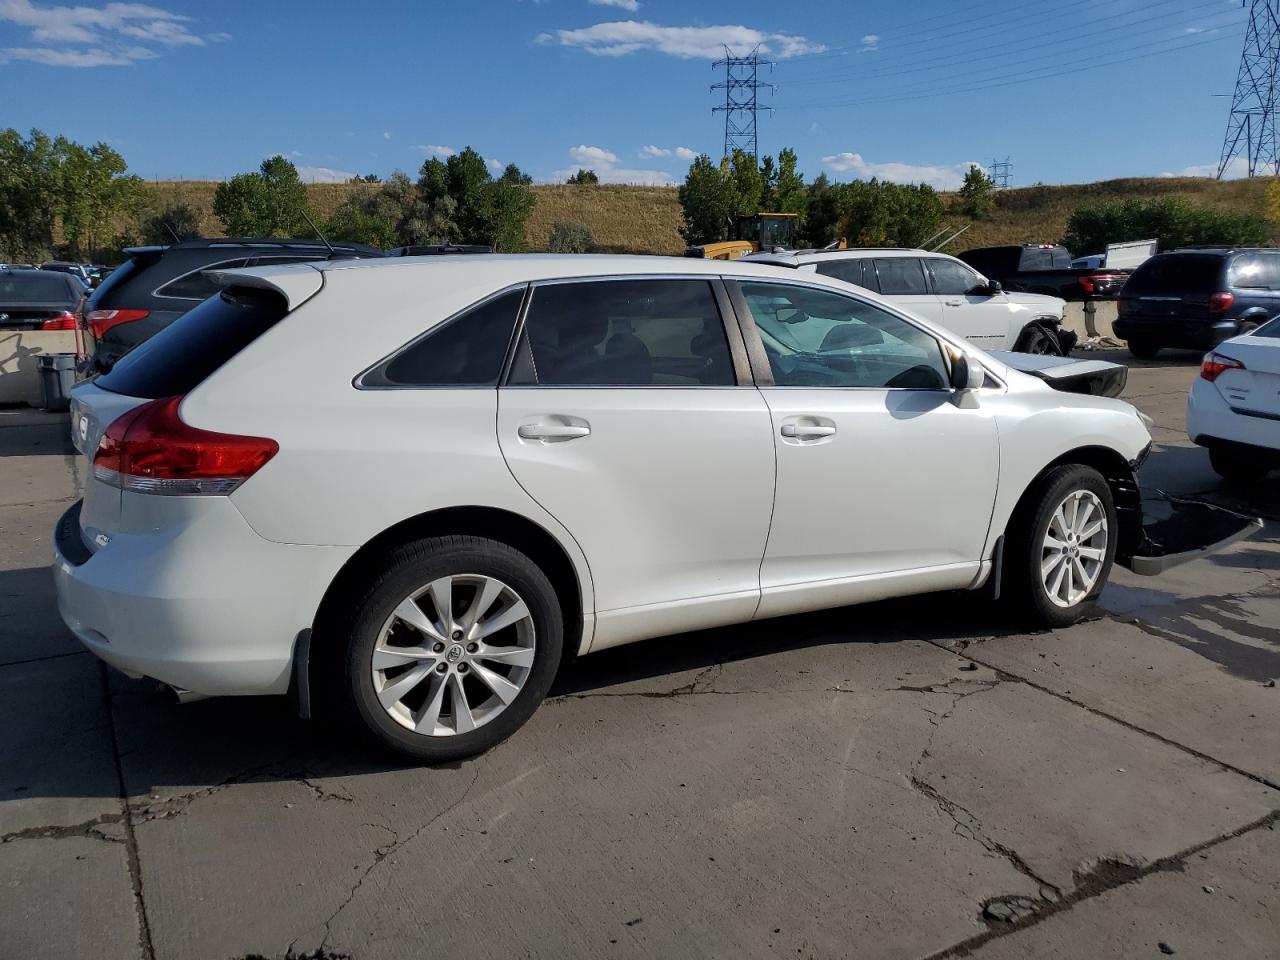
point(625, 333)
point(36, 288)
point(815, 338)
point(901, 275)
point(177, 359)
point(850, 271)
point(1269, 329)
point(465, 351)
point(198, 285)
point(950, 277)
point(993, 261)
point(1176, 273)
point(1255, 271)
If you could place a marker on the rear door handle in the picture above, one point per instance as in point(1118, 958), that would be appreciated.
point(554, 432)
point(808, 428)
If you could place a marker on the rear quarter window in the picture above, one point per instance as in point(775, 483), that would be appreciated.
point(184, 354)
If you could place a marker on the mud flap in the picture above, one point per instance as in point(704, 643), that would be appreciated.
point(1176, 530)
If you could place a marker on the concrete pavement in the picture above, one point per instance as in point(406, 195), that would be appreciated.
point(906, 779)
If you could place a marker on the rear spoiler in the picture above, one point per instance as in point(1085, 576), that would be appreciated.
point(296, 282)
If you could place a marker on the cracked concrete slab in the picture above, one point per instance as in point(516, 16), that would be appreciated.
point(66, 897)
point(1221, 902)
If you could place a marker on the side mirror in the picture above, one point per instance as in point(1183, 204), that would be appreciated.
point(994, 287)
point(966, 375)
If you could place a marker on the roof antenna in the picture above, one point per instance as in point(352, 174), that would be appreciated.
point(316, 230)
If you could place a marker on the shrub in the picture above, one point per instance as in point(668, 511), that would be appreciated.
point(570, 238)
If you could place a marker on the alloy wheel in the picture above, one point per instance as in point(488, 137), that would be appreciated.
point(453, 655)
point(1074, 548)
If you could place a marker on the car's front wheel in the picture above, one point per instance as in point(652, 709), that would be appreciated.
point(1061, 546)
point(452, 647)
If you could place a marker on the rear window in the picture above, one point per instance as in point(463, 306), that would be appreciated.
point(182, 355)
point(901, 276)
point(198, 285)
point(1176, 273)
point(1255, 271)
point(34, 288)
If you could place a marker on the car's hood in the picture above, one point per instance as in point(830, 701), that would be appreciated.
point(1037, 301)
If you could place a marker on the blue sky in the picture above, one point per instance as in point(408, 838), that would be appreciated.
point(914, 91)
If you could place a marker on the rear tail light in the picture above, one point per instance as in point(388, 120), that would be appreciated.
point(150, 450)
point(1215, 365)
point(63, 321)
point(100, 321)
point(1221, 302)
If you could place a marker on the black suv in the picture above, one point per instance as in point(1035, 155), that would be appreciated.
point(157, 285)
point(1195, 298)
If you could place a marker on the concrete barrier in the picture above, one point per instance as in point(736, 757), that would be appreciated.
point(1104, 316)
point(19, 369)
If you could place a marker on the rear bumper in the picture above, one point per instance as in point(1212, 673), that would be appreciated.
point(1175, 332)
point(1211, 419)
point(208, 606)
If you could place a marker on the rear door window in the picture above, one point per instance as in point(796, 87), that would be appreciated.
point(858, 272)
point(902, 276)
point(182, 355)
point(1255, 271)
point(624, 333)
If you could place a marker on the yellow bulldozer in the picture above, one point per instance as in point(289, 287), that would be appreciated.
point(752, 234)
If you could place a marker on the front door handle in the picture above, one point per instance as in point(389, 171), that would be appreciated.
point(554, 432)
point(808, 428)
point(954, 303)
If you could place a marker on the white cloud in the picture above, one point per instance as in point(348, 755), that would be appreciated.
point(108, 33)
point(324, 175)
point(605, 164)
point(683, 153)
point(435, 149)
point(386, 135)
point(870, 42)
point(621, 37)
point(1237, 169)
point(939, 177)
point(629, 5)
point(493, 164)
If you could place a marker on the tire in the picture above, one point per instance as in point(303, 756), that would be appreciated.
point(421, 686)
point(1143, 349)
point(1238, 464)
point(1027, 585)
point(1035, 339)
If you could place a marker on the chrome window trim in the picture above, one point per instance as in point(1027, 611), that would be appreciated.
point(358, 380)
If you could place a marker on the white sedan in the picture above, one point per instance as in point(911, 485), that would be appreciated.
point(410, 488)
point(1234, 406)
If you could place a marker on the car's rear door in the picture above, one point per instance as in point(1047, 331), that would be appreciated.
point(886, 476)
point(624, 418)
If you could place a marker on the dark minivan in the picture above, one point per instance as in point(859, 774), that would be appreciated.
point(1195, 298)
point(157, 285)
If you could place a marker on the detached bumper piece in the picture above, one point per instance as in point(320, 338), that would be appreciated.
point(1176, 530)
point(1096, 378)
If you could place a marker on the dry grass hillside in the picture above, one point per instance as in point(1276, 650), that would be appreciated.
point(646, 219)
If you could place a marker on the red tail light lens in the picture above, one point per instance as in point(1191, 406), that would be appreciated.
point(1086, 284)
point(1215, 365)
point(150, 450)
point(100, 321)
point(64, 321)
point(1221, 302)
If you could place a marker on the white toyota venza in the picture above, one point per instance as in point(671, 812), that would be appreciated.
point(411, 488)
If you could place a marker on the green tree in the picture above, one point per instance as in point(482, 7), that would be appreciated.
point(749, 182)
point(976, 198)
point(570, 238)
point(269, 203)
point(513, 174)
point(789, 192)
point(177, 221)
point(29, 194)
point(583, 178)
point(708, 200)
point(484, 210)
point(1173, 221)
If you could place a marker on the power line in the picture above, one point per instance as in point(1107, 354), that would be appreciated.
point(741, 86)
point(1251, 125)
point(1022, 78)
point(1000, 173)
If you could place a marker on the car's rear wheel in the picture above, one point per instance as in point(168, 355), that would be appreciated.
point(1239, 464)
point(452, 647)
point(1061, 546)
point(1143, 349)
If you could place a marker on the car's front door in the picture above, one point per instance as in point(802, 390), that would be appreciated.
point(968, 306)
point(622, 416)
point(886, 476)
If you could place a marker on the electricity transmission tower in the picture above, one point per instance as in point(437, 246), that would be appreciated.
point(741, 85)
point(1251, 126)
point(1000, 172)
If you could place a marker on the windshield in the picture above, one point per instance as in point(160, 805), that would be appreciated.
point(34, 288)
